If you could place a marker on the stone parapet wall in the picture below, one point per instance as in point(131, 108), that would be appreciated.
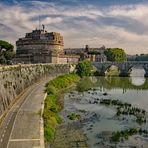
point(14, 79)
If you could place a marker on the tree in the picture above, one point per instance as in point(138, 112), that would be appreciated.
point(6, 52)
point(115, 54)
point(83, 68)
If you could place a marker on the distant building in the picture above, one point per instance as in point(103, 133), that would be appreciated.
point(39, 46)
point(92, 54)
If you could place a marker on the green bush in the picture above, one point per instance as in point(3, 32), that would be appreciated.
point(124, 134)
point(84, 68)
point(54, 108)
point(73, 116)
point(48, 133)
point(51, 90)
point(7, 54)
point(58, 119)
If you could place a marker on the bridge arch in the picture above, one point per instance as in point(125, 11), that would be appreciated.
point(124, 67)
point(133, 70)
point(114, 68)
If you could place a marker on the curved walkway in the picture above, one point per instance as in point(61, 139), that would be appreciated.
point(23, 125)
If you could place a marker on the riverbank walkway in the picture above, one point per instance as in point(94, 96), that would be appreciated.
point(23, 125)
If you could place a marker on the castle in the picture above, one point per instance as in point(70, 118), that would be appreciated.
point(41, 46)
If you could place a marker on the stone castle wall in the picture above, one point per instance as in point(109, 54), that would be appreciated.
point(14, 79)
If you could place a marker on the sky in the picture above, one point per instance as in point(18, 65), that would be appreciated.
point(113, 23)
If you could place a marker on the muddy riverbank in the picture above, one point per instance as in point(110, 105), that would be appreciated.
point(70, 135)
point(96, 125)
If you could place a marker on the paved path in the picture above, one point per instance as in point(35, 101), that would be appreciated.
point(21, 127)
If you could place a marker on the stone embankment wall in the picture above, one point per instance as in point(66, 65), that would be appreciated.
point(14, 79)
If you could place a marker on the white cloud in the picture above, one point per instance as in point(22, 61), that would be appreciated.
point(50, 20)
point(137, 12)
point(115, 26)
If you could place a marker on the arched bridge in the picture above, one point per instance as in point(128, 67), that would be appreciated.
point(124, 67)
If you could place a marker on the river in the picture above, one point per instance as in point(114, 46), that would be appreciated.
point(133, 89)
point(101, 121)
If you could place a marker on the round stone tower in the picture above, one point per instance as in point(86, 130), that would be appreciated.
point(39, 46)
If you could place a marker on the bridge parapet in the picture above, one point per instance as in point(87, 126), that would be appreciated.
point(129, 62)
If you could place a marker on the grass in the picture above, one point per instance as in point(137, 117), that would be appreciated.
point(54, 103)
point(124, 134)
point(73, 116)
point(126, 109)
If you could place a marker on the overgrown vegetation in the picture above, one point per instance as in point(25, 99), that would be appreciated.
point(84, 68)
point(126, 109)
point(6, 52)
point(7, 84)
point(54, 102)
point(123, 135)
point(73, 116)
point(61, 82)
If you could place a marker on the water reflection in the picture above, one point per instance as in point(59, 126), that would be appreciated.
point(138, 81)
point(121, 82)
point(137, 76)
